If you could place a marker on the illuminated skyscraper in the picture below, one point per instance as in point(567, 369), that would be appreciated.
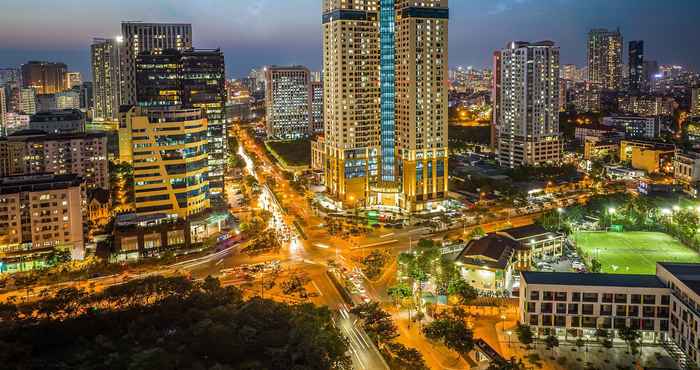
point(106, 78)
point(140, 37)
point(192, 78)
point(528, 132)
point(385, 85)
point(288, 102)
point(605, 58)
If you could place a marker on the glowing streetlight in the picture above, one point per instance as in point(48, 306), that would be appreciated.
point(676, 208)
point(612, 210)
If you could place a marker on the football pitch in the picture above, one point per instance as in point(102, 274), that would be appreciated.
point(633, 252)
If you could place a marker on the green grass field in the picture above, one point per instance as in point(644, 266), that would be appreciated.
point(634, 252)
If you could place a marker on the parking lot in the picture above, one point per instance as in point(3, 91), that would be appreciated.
point(570, 261)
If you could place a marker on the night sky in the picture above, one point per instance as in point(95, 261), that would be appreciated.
point(257, 32)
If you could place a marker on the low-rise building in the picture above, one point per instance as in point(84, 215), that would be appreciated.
point(648, 156)
point(595, 147)
point(488, 263)
point(575, 305)
point(686, 167)
point(318, 153)
point(39, 214)
point(664, 307)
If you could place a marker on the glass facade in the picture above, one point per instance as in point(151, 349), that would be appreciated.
point(387, 76)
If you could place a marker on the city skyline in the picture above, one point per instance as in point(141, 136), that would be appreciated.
point(267, 32)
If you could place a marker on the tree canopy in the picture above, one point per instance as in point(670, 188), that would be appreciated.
point(167, 323)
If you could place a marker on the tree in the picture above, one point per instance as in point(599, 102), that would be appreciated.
point(631, 337)
point(596, 265)
point(525, 335)
point(453, 333)
point(465, 292)
point(404, 358)
point(426, 244)
point(399, 292)
point(552, 342)
point(376, 322)
point(476, 233)
point(512, 364)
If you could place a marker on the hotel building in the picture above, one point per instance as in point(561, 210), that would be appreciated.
point(528, 132)
point(385, 108)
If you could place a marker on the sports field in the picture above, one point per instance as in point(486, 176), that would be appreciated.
point(633, 252)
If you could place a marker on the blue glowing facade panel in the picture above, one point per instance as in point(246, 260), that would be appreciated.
point(387, 75)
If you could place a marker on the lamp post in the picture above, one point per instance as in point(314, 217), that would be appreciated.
point(510, 333)
point(559, 213)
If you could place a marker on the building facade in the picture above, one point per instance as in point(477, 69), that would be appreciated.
point(191, 78)
point(635, 127)
point(73, 79)
point(386, 102)
point(695, 102)
point(138, 37)
point(168, 147)
point(106, 79)
point(36, 152)
point(44, 77)
point(288, 102)
point(686, 167)
point(38, 214)
point(317, 108)
point(605, 58)
point(637, 75)
point(529, 117)
point(59, 122)
point(27, 101)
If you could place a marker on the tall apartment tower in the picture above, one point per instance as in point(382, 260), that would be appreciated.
point(529, 114)
point(637, 75)
point(140, 37)
point(695, 102)
point(385, 103)
point(316, 107)
point(106, 77)
point(605, 58)
point(27, 101)
point(288, 102)
point(44, 77)
point(191, 78)
point(496, 99)
point(3, 110)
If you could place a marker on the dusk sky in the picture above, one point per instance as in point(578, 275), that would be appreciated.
point(257, 32)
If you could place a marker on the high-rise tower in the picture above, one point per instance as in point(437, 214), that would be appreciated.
point(385, 86)
point(605, 58)
point(636, 66)
point(106, 77)
point(528, 132)
point(138, 37)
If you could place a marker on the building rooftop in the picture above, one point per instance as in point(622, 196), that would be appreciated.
point(38, 182)
point(603, 280)
point(58, 115)
point(31, 134)
point(687, 273)
point(493, 251)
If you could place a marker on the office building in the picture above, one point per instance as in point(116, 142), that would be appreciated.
point(44, 77)
point(73, 79)
point(288, 102)
point(168, 149)
point(35, 152)
point(27, 101)
point(190, 78)
point(605, 58)
point(46, 103)
point(38, 214)
point(317, 108)
point(138, 37)
point(529, 116)
point(106, 78)
point(386, 103)
point(59, 122)
point(637, 75)
point(695, 102)
point(646, 105)
point(636, 127)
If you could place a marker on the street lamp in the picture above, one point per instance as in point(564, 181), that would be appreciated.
point(560, 211)
point(509, 332)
